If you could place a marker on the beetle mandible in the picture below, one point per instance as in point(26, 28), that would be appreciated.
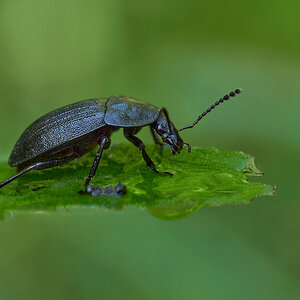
point(71, 131)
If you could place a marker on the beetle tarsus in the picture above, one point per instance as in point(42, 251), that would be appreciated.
point(152, 166)
point(96, 191)
point(189, 147)
point(161, 173)
point(169, 173)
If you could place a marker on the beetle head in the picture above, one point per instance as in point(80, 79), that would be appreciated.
point(169, 134)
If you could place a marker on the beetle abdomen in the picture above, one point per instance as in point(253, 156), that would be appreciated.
point(124, 111)
point(58, 127)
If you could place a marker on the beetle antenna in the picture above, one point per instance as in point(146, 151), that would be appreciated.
point(226, 97)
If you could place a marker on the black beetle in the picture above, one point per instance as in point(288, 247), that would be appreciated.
point(71, 131)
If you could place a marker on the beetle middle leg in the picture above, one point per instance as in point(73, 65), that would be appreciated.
point(129, 134)
point(119, 190)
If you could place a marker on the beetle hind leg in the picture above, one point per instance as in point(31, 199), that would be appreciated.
point(40, 166)
point(14, 177)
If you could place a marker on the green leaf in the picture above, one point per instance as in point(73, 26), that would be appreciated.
point(203, 177)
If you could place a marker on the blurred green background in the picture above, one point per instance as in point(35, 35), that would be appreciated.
point(183, 55)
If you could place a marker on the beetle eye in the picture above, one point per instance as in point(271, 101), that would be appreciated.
point(160, 129)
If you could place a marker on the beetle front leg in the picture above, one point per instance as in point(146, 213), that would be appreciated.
point(128, 133)
point(155, 137)
point(119, 190)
